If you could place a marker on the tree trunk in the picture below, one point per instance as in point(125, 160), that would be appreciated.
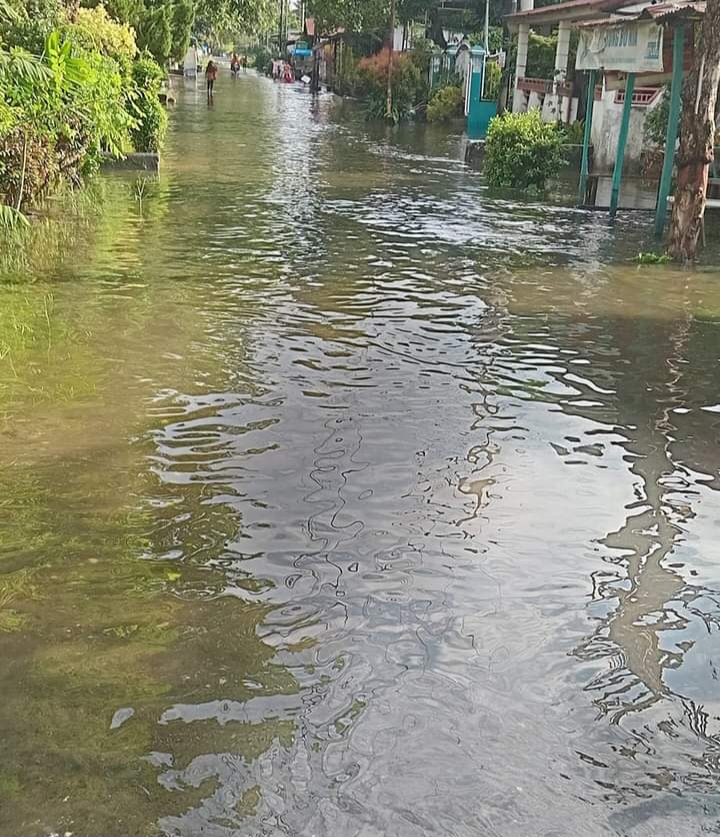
point(697, 139)
point(391, 44)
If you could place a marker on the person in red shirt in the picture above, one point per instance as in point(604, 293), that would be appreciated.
point(211, 73)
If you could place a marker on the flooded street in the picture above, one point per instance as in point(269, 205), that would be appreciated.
point(342, 497)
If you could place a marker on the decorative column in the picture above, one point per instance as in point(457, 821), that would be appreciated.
point(562, 106)
point(563, 50)
point(521, 66)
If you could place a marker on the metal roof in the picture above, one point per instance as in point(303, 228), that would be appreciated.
point(566, 10)
point(663, 13)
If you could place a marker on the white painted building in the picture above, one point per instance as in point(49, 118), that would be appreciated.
point(558, 98)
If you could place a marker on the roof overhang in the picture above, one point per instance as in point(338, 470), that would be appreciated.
point(571, 11)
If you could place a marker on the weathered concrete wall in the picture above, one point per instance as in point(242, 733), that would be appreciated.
point(606, 130)
point(134, 162)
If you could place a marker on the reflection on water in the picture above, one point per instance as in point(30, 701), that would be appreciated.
point(343, 497)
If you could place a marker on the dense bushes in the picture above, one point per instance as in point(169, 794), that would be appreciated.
point(27, 23)
point(86, 96)
point(263, 59)
point(149, 130)
point(493, 79)
point(521, 150)
point(656, 121)
point(446, 103)
point(541, 55)
point(406, 84)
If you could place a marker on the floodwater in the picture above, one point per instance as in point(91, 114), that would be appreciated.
point(341, 496)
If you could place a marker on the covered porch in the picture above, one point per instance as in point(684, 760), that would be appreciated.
point(650, 44)
point(557, 97)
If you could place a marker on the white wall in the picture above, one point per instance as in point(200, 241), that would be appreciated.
point(606, 130)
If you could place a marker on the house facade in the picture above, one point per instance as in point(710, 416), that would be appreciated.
point(562, 98)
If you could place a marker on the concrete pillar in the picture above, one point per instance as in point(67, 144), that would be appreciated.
point(563, 51)
point(522, 51)
point(519, 104)
point(526, 5)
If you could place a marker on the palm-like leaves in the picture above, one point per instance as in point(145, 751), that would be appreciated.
point(8, 13)
point(11, 219)
point(23, 68)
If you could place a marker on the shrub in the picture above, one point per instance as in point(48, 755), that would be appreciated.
point(521, 150)
point(573, 133)
point(493, 78)
point(151, 119)
point(446, 103)
point(406, 82)
point(95, 30)
point(656, 121)
point(103, 103)
point(263, 60)
point(30, 22)
point(148, 75)
point(541, 55)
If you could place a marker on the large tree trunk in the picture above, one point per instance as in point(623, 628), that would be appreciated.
point(697, 135)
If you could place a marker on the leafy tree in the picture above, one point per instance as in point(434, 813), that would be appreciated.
point(237, 16)
point(94, 29)
point(182, 22)
point(154, 32)
point(124, 11)
point(28, 24)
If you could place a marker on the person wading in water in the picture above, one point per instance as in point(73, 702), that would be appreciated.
point(210, 76)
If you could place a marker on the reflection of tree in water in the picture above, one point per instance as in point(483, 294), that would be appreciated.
point(649, 595)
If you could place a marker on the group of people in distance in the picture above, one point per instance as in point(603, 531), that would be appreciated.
point(283, 71)
point(237, 63)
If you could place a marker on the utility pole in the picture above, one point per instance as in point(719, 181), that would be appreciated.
point(281, 29)
point(391, 44)
point(487, 27)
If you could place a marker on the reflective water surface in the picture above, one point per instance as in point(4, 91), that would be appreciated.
point(341, 496)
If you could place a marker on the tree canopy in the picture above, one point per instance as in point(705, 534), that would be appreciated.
point(371, 15)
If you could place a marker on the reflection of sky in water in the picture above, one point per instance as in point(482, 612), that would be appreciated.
point(422, 493)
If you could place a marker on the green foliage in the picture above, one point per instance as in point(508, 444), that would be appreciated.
point(406, 84)
point(154, 32)
point(522, 151)
point(447, 103)
point(541, 55)
point(28, 23)
point(656, 121)
point(573, 132)
point(263, 59)
point(11, 219)
point(95, 30)
point(652, 258)
point(366, 15)
point(124, 11)
point(183, 17)
point(148, 75)
point(493, 77)
point(213, 18)
point(151, 119)
point(61, 113)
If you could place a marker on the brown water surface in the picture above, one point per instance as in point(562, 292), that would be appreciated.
point(341, 496)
